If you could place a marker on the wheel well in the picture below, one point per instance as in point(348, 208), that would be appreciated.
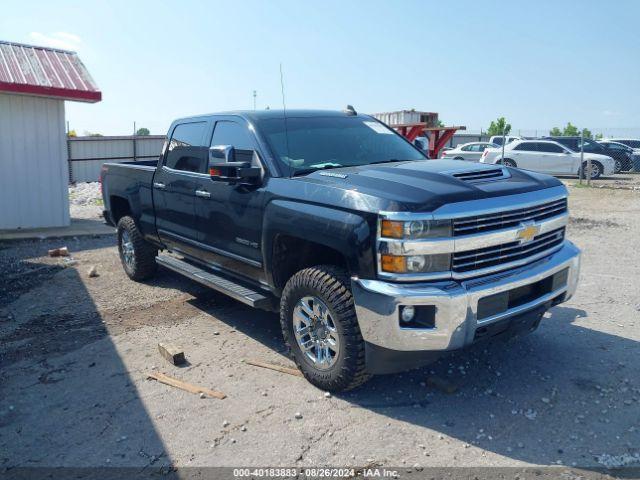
point(292, 254)
point(119, 208)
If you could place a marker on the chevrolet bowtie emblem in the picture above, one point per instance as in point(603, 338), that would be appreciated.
point(528, 233)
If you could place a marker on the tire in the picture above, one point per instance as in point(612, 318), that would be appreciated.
point(138, 256)
point(596, 170)
point(458, 158)
point(618, 166)
point(507, 162)
point(305, 295)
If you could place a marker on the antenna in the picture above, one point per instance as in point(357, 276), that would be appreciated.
point(284, 113)
point(255, 94)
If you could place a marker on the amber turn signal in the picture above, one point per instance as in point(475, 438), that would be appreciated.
point(394, 263)
point(392, 229)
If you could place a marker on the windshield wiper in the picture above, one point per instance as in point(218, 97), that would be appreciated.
point(306, 171)
point(390, 160)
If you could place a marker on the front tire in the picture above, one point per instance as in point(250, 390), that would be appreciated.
point(320, 328)
point(618, 166)
point(138, 256)
point(596, 170)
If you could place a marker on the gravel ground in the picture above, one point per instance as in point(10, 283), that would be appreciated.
point(75, 352)
point(85, 200)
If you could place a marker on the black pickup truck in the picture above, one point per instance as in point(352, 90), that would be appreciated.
point(376, 258)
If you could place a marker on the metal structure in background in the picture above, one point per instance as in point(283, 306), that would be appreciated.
point(86, 155)
point(438, 136)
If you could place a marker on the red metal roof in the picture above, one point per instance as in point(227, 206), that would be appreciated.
point(47, 72)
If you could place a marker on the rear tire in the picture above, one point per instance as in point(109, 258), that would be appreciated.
point(507, 162)
point(138, 256)
point(317, 314)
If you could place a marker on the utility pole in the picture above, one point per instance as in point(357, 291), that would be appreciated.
point(255, 94)
point(503, 142)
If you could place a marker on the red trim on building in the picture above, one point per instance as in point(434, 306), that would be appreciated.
point(62, 93)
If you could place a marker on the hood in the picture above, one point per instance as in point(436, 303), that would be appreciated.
point(414, 186)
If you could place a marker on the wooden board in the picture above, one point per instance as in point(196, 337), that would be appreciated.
point(277, 368)
point(188, 387)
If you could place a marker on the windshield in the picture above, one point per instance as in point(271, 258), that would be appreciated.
point(314, 143)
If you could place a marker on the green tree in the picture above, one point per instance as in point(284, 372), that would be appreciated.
point(587, 133)
point(599, 136)
point(439, 123)
point(499, 127)
point(555, 132)
point(571, 130)
point(142, 131)
point(72, 133)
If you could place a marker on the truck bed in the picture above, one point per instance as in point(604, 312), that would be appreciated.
point(131, 181)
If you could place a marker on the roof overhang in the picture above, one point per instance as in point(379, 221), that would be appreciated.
point(45, 72)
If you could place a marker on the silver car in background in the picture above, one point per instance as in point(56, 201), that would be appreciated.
point(471, 151)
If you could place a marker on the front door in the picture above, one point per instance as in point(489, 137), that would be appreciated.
point(174, 186)
point(230, 216)
point(555, 158)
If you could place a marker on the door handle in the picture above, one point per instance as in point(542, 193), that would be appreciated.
point(203, 194)
point(159, 185)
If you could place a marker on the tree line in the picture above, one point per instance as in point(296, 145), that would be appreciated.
point(501, 127)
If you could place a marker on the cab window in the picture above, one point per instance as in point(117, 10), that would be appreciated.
point(237, 136)
point(185, 151)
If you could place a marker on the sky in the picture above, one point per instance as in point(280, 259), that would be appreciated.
point(538, 63)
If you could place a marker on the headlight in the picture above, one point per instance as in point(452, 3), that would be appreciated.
point(415, 263)
point(415, 229)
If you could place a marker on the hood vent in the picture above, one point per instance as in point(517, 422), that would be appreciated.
point(477, 176)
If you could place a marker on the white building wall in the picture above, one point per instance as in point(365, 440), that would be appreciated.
point(33, 163)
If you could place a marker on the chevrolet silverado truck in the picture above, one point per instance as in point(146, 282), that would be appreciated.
point(377, 259)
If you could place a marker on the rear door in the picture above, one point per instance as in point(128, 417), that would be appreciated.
point(525, 154)
point(472, 152)
point(175, 183)
point(230, 216)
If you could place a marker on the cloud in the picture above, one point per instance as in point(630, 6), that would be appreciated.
point(63, 40)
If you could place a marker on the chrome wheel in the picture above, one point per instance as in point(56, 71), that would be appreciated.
point(595, 171)
point(316, 332)
point(128, 253)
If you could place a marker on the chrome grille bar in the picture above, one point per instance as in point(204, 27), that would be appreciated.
point(484, 223)
point(507, 252)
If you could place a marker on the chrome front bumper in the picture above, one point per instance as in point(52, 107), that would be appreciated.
point(378, 302)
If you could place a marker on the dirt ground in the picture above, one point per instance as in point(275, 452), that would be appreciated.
point(75, 352)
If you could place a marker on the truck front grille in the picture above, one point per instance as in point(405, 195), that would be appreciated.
point(509, 218)
point(506, 253)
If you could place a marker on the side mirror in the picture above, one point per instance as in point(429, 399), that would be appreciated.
point(222, 153)
point(223, 166)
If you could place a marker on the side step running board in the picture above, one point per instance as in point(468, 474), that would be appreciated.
point(216, 282)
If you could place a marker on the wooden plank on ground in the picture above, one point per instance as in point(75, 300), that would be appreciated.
point(277, 368)
point(188, 387)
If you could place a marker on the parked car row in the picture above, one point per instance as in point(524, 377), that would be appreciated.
point(554, 155)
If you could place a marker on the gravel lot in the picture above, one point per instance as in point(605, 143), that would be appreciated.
point(75, 352)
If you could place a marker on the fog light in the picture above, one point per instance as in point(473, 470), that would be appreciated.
point(407, 313)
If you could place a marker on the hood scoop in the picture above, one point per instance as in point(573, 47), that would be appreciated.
point(484, 175)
